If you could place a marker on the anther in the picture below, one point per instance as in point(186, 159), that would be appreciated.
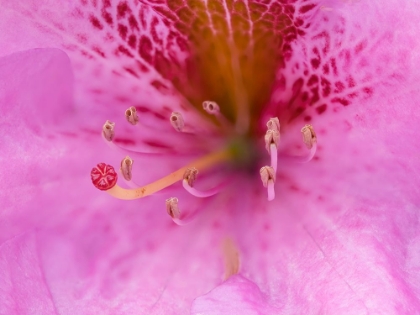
point(309, 136)
point(126, 168)
point(177, 121)
point(273, 124)
point(190, 175)
point(211, 107)
point(267, 173)
point(108, 130)
point(310, 140)
point(103, 176)
point(268, 178)
point(272, 136)
point(172, 207)
point(131, 115)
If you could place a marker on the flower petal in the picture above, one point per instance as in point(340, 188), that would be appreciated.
point(236, 48)
point(344, 60)
point(346, 223)
point(93, 252)
point(36, 93)
point(237, 295)
point(23, 286)
point(124, 53)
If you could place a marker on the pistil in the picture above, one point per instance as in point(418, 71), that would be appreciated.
point(203, 163)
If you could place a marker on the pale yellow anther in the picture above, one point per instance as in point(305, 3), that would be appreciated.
point(131, 115)
point(190, 175)
point(108, 130)
point(267, 173)
point(172, 207)
point(177, 121)
point(272, 136)
point(309, 136)
point(126, 168)
point(273, 124)
point(211, 107)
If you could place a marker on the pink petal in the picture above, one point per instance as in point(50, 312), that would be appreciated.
point(237, 295)
point(94, 253)
point(342, 227)
point(342, 235)
point(123, 53)
point(36, 93)
point(23, 286)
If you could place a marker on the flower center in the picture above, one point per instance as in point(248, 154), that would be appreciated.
point(245, 154)
point(233, 152)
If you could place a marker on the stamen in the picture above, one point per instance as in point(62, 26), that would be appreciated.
point(310, 140)
point(268, 178)
point(267, 173)
point(190, 176)
point(172, 207)
point(202, 163)
point(103, 176)
point(199, 193)
point(231, 257)
point(177, 121)
point(272, 136)
point(131, 115)
point(309, 136)
point(273, 124)
point(126, 168)
point(108, 134)
point(211, 107)
point(270, 191)
point(273, 153)
point(272, 140)
point(108, 130)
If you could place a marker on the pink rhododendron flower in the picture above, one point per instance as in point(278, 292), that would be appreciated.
point(316, 212)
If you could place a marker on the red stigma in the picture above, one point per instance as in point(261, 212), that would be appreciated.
point(103, 176)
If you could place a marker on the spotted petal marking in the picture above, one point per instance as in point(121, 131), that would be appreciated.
point(124, 54)
point(340, 61)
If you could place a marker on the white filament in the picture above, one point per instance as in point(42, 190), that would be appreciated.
point(198, 193)
point(273, 153)
point(270, 190)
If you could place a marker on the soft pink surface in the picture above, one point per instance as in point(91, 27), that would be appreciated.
point(237, 295)
point(341, 237)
